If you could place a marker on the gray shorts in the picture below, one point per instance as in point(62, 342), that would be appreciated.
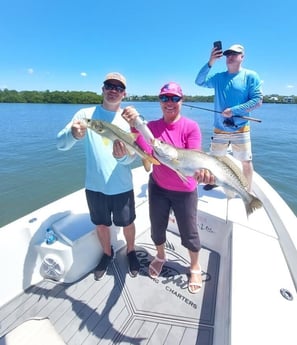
point(239, 143)
point(107, 209)
point(184, 205)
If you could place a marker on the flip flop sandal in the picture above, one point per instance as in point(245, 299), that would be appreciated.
point(156, 272)
point(195, 284)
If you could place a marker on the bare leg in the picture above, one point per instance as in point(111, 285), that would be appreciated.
point(133, 262)
point(161, 251)
point(194, 268)
point(129, 233)
point(194, 260)
point(158, 264)
point(247, 168)
point(103, 233)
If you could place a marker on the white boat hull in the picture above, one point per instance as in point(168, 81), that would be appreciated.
point(249, 265)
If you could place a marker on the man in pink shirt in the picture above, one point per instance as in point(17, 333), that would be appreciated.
point(166, 190)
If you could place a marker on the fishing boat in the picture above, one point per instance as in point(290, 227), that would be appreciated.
point(48, 294)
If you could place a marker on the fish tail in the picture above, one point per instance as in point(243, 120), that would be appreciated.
point(253, 204)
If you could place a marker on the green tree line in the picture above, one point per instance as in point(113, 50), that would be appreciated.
point(88, 97)
point(71, 97)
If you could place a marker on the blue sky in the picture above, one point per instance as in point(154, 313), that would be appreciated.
point(71, 45)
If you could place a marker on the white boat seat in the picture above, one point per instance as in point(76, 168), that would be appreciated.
point(33, 332)
point(73, 227)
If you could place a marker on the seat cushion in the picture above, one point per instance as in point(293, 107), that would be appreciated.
point(33, 332)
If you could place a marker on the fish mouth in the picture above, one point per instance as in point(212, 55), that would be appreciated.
point(159, 152)
point(155, 142)
point(156, 145)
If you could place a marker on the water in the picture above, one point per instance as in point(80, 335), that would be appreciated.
point(33, 172)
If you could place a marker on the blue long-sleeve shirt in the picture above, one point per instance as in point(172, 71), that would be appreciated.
point(104, 173)
point(240, 91)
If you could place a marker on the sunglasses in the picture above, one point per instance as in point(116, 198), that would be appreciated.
point(174, 99)
point(117, 88)
point(232, 54)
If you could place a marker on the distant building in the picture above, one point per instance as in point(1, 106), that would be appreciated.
point(273, 99)
point(288, 99)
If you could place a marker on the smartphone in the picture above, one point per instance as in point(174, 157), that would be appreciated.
point(217, 45)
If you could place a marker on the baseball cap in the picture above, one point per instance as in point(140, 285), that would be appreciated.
point(116, 76)
point(234, 49)
point(171, 88)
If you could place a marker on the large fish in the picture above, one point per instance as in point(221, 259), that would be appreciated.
point(186, 162)
point(113, 132)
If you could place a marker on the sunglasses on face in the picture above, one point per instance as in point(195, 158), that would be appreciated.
point(117, 88)
point(174, 99)
point(232, 54)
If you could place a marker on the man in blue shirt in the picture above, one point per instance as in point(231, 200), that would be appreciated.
point(108, 181)
point(237, 92)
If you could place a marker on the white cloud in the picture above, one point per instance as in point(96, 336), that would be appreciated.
point(83, 74)
point(290, 86)
point(30, 70)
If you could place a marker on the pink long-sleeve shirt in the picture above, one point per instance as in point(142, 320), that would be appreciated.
point(184, 133)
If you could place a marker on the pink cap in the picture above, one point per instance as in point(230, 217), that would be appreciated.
point(171, 88)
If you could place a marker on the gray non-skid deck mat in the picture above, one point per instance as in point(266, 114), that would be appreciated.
point(124, 310)
point(164, 304)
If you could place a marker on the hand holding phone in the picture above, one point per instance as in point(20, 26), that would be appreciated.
point(217, 45)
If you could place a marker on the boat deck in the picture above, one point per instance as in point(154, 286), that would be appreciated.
point(236, 259)
point(124, 310)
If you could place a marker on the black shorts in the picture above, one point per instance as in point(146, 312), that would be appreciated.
point(184, 205)
point(107, 209)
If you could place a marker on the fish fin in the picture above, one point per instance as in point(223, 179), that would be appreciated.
point(254, 204)
point(146, 164)
point(151, 159)
point(144, 156)
point(238, 172)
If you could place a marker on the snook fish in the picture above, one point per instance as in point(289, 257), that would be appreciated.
point(186, 162)
point(113, 132)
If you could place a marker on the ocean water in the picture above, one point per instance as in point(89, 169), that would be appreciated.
point(33, 172)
